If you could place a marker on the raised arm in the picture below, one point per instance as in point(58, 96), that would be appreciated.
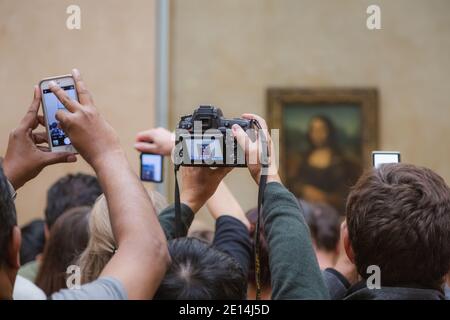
point(28, 152)
point(232, 226)
point(224, 203)
point(199, 184)
point(294, 268)
point(142, 257)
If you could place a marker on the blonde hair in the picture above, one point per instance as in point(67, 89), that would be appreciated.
point(102, 245)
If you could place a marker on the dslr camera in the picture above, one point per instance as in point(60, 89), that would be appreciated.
point(205, 139)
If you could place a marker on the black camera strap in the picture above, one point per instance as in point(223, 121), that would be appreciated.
point(177, 204)
point(261, 189)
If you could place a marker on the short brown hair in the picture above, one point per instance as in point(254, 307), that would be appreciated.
point(398, 218)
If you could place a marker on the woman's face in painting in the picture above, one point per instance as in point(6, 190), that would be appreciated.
point(318, 132)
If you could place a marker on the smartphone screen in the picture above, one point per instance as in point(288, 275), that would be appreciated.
point(204, 149)
point(381, 157)
point(57, 135)
point(151, 167)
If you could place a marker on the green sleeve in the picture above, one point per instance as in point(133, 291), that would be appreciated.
point(294, 269)
point(167, 220)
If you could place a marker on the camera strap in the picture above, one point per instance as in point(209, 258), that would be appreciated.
point(177, 204)
point(261, 189)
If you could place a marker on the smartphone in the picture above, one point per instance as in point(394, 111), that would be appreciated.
point(381, 157)
point(152, 167)
point(57, 139)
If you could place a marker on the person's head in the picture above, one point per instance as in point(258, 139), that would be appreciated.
point(322, 132)
point(68, 238)
point(9, 239)
point(324, 224)
point(201, 272)
point(102, 245)
point(398, 218)
point(33, 240)
point(252, 216)
point(72, 190)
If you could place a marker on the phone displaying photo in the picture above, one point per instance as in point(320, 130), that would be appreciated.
point(381, 157)
point(152, 167)
point(58, 140)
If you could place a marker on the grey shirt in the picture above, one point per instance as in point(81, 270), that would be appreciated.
point(104, 288)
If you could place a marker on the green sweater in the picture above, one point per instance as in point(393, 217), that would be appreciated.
point(167, 220)
point(294, 269)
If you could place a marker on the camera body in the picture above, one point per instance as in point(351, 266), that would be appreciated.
point(205, 139)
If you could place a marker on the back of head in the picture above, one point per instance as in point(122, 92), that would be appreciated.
point(72, 190)
point(7, 217)
point(324, 223)
point(68, 238)
point(398, 218)
point(102, 245)
point(33, 240)
point(200, 272)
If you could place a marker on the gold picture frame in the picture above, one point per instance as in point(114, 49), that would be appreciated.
point(354, 111)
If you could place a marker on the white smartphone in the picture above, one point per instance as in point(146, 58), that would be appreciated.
point(57, 139)
point(381, 157)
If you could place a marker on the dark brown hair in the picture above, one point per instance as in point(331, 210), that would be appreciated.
point(68, 238)
point(398, 218)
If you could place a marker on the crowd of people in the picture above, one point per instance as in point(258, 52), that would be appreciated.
point(123, 240)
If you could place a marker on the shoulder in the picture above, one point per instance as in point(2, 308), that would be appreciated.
point(104, 288)
point(24, 289)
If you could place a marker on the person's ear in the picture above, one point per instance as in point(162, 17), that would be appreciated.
point(347, 245)
point(14, 248)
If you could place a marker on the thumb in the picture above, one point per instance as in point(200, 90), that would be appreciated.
point(59, 157)
point(241, 137)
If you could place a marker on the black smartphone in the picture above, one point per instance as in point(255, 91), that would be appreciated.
point(381, 157)
point(152, 167)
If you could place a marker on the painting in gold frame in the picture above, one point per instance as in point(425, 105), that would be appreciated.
point(326, 139)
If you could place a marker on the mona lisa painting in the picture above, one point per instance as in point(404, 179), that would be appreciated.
point(326, 139)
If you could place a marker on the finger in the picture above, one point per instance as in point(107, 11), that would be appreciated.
point(41, 120)
point(43, 148)
point(63, 118)
point(251, 116)
point(145, 136)
point(29, 120)
point(59, 157)
point(62, 96)
point(241, 137)
point(40, 137)
point(146, 147)
point(84, 95)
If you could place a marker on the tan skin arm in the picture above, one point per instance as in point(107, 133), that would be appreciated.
point(142, 257)
point(224, 203)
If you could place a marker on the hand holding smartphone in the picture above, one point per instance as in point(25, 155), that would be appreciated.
point(57, 138)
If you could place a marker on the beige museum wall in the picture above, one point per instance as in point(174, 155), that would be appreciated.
point(229, 52)
point(114, 51)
